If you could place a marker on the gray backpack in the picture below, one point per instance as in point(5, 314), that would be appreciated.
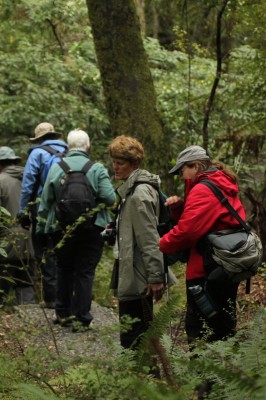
point(234, 254)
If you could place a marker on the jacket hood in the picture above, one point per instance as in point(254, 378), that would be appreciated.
point(16, 171)
point(48, 142)
point(138, 176)
point(219, 178)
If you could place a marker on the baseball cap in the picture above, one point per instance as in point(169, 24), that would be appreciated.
point(191, 153)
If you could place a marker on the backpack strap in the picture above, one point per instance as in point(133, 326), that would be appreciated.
point(135, 184)
point(87, 166)
point(51, 150)
point(143, 183)
point(66, 168)
point(164, 214)
point(225, 202)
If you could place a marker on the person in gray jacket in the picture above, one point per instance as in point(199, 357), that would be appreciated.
point(140, 263)
point(17, 264)
point(81, 251)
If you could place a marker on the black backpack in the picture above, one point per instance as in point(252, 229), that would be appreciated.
point(76, 197)
point(165, 224)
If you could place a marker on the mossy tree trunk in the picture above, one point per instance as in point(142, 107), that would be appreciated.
point(140, 8)
point(126, 78)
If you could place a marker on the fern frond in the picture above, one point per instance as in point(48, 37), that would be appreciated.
point(158, 325)
point(237, 367)
point(150, 345)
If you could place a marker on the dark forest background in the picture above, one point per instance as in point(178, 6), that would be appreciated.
point(172, 73)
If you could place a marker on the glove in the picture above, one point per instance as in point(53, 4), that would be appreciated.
point(24, 221)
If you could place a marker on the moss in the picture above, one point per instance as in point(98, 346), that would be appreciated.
point(128, 87)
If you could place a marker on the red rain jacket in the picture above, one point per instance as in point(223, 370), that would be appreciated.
point(203, 213)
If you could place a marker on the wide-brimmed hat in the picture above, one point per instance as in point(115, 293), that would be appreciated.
point(191, 153)
point(44, 129)
point(6, 153)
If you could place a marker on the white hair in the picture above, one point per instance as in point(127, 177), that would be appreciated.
point(78, 140)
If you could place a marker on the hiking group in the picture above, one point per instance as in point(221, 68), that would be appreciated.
point(62, 201)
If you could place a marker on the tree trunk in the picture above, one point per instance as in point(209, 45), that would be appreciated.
point(155, 22)
point(126, 78)
point(140, 8)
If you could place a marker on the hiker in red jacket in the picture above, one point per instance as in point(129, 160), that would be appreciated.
point(203, 213)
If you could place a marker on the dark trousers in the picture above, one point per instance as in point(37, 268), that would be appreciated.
point(44, 251)
point(76, 263)
point(223, 324)
point(142, 309)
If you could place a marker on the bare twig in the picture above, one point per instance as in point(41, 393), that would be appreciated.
point(210, 102)
point(57, 37)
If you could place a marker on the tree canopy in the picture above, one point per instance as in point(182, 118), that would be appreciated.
point(145, 68)
point(49, 71)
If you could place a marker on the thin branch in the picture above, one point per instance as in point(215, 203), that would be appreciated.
point(54, 29)
point(219, 59)
point(189, 69)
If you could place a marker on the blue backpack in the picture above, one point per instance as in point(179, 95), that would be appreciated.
point(56, 157)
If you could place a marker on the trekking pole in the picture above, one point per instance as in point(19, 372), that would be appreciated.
point(165, 262)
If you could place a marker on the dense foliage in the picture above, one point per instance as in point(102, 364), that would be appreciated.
point(48, 71)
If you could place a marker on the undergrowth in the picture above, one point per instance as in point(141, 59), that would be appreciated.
point(161, 368)
point(158, 369)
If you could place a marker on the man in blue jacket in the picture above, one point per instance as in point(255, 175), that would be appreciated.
point(32, 185)
point(80, 251)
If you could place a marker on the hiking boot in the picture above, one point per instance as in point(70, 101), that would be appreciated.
point(63, 321)
point(79, 327)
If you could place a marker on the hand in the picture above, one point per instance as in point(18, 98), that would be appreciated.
point(24, 221)
point(157, 290)
point(173, 200)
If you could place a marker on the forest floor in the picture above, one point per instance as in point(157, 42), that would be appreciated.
point(30, 326)
point(249, 303)
point(26, 326)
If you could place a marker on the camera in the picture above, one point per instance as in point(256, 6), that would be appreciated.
point(109, 234)
point(203, 301)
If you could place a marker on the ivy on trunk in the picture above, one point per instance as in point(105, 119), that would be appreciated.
point(126, 78)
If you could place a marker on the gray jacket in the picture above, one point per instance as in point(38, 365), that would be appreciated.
point(140, 260)
point(19, 246)
point(10, 188)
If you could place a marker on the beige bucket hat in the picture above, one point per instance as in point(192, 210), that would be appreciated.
point(44, 129)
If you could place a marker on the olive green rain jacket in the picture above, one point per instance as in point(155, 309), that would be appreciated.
point(140, 260)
